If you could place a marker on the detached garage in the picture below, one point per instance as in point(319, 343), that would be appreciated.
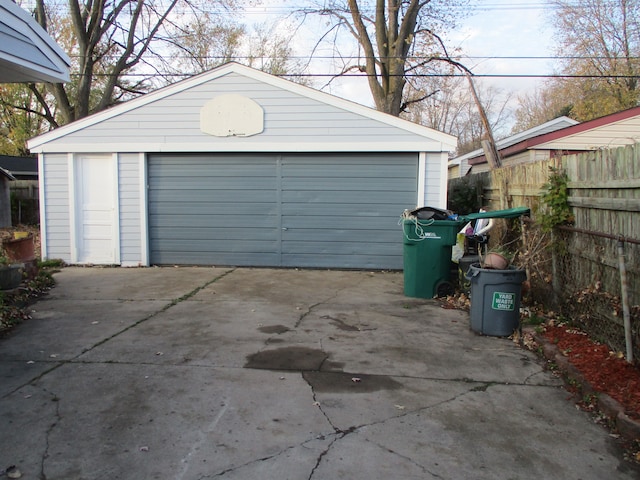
point(236, 167)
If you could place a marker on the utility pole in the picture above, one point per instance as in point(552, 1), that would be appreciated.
point(488, 143)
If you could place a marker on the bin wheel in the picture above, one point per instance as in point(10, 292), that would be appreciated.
point(444, 289)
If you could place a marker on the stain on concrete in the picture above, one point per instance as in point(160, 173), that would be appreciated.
point(287, 358)
point(277, 329)
point(293, 358)
point(340, 382)
point(341, 324)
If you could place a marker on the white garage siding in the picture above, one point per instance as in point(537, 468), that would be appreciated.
point(131, 180)
point(55, 221)
point(293, 210)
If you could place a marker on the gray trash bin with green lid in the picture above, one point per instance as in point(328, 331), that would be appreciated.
point(495, 300)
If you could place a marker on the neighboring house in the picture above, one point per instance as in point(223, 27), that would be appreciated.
point(22, 168)
point(27, 52)
point(24, 190)
point(615, 130)
point(236, 167)
point(462, 165)
point(5, 198)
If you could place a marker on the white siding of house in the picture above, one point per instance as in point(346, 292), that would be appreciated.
point(55, 207)
point(130, 205)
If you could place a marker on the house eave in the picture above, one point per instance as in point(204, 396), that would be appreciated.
point(244, 147)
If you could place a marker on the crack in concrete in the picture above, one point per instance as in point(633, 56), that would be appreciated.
point(338, 433)
point(263, 459)
point(408, 459)
point(320, 457)
point(57, 419)
point(312, 307)
point(309, 310)
point(318, 404)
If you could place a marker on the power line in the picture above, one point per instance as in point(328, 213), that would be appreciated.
point(468, 57)
point(364, 75)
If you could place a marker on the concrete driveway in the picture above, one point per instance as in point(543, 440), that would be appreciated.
point(199, 373)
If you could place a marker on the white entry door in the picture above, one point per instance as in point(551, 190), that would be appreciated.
point(95, 209)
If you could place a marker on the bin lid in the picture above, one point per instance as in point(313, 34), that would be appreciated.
point(509, 213)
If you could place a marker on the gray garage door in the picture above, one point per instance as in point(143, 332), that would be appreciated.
point(329, 210)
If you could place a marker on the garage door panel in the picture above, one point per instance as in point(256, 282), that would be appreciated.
point(223, 221)
point(332, 214)
point(364, 209)
point(225, 169)
point(205, 184)
point(292, 210)
point(219, 208)
point(209, 209)
point(342, 170)
point(345, 235)
point(345, 184)
point(331, 223)
point(175, 162)
point(361, 261)
point(236, 232)
point(347, 197)
point(210, 246)
point(245, 259)
point(346, 248)
point(216, 197)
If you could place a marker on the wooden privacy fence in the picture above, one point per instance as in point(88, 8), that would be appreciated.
point(578, 268)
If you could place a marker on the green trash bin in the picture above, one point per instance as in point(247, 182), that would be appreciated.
point(495, 300)
point(427, 256)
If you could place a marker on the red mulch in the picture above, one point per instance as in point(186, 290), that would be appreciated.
point(607, 372)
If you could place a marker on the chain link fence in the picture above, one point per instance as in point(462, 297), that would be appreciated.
point(585, 278)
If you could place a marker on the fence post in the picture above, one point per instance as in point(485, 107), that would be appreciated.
point(624, 297)
point(555, 268)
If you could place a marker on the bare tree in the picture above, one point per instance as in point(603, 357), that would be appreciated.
point(540, 106)
point(204, 42)
point(112, 44)
point(388, 34)
point(599, 43)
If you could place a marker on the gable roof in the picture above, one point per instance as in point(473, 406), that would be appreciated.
point(428, 135)
point(614, 130)
point(27, 52)
point(610, 131)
